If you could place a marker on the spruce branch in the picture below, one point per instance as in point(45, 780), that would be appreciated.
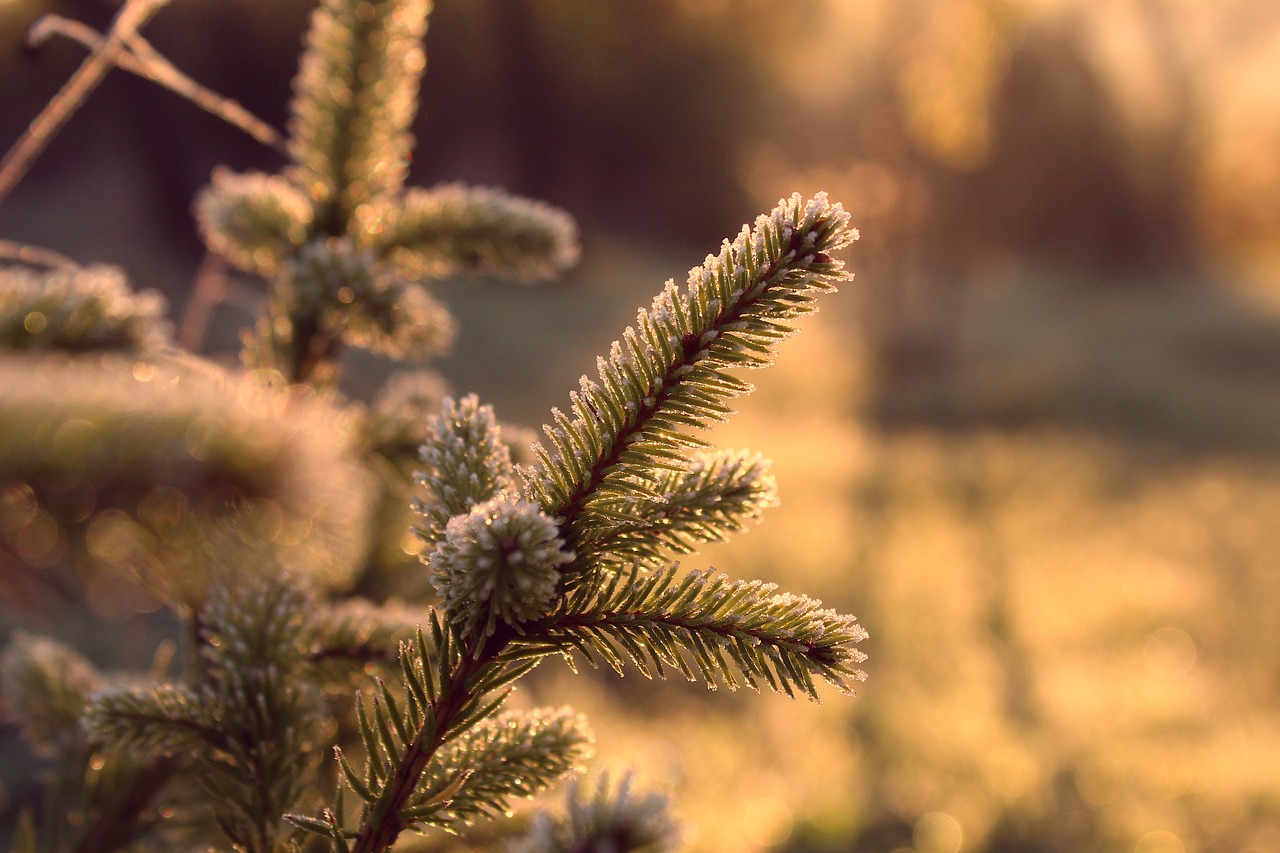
point(720, 493)
point(47, 685)
point(401, 410)
point(103, 795)
point(90, 309)
point(166, 460)
point(254, 220)
point(465, 463)
point(355, 632)
point(245, 726)
point(438, 232)
point(164, 718)
point(735, 632)
point(499, 562)
point(448, 690)
point(514, 754)
point(610, 818)
point(353, 299)
point(354, 98)
point(667, 375)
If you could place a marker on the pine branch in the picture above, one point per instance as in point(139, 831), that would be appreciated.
point(735, 632)
point(667, 375)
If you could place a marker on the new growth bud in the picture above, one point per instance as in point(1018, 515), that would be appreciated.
point(500, 561)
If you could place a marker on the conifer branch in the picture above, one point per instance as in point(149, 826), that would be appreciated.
point(667, 374)
point(245, 725)
point(400, 414)
point(355, 632)
point(611, 818)
point(465, 463)
point(46, 685)
point(514, 754)
point(254, 220)
point(354, 99)
point(720, 493)
point(438, 697)
point(83, 309)
point(735, 632)
point(438, 232)
point(180, 456)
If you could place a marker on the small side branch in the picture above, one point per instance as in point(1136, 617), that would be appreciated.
point(35, 256)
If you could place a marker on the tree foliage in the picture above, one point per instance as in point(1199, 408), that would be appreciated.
point(256, 502)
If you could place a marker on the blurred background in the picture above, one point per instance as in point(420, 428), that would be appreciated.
point(1034, 446)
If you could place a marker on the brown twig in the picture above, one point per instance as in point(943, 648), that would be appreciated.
point(18, 159)
point(142, 59)
point(35, 255)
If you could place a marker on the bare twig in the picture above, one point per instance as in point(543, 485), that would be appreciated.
point(142, 59)
point(35, 255)
point(210, 291)
point(131, 17)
